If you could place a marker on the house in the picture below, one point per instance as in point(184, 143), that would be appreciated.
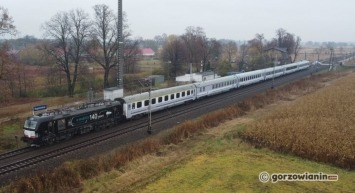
point(147, 52)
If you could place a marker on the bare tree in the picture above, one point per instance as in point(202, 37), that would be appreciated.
point(130, 55)
point(6, 23)
point(260, 42)
point(103, 46)
point(243, 56)
point(80, 31)
point(4, 60)
point(193, 39)
point(58, 28)
point(280, 34)
point(319, 51)
point(68, 32)
point(288, 41)
point(174, 52)
point(231, 49)
point(210, 52)
point(297, 48)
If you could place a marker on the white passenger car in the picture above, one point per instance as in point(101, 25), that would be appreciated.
point(138, 104)
point(274, 72)
point(251, 77)
point(215, 86)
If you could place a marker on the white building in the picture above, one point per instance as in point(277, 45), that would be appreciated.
point(197, 77)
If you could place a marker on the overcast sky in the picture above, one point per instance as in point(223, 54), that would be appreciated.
point(312, 20)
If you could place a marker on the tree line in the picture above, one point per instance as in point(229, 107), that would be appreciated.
point(74, 38)
point(194, 47)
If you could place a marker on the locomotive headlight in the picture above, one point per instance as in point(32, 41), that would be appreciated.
point(108, 113)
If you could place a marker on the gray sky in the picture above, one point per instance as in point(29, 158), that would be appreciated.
point(312, 20)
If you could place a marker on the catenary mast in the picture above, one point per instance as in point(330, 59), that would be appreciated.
point(120, 46)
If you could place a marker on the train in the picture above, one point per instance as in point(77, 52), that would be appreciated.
point(59, 124)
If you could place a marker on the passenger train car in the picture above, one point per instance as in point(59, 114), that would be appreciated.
point(56, 125)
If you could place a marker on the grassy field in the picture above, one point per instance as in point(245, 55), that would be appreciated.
point(225, 164)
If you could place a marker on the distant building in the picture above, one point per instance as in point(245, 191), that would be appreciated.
point(197, 77)
point(280, 54)
point(147, 53)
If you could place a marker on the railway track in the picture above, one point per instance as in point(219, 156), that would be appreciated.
point(13, 153)
point(141, 124)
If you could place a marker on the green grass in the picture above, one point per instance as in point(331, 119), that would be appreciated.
point(7, 137)
point(12, 129)
point(228, 165)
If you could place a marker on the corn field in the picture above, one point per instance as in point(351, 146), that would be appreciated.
point(319, 126)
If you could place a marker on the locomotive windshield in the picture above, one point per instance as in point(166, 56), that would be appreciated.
point(30, 124)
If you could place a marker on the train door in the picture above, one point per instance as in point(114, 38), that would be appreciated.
point(51, 127)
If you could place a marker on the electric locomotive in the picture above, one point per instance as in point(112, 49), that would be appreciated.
point(54, 125)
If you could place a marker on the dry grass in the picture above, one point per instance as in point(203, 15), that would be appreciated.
point(320, 126)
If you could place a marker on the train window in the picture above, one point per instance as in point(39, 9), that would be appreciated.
point(146, 102)
point(160, 99)
point(188, 92)
point(172, 96)
point(183, 94)
point(133, 105)
point(177, 95)
point(154, 100)
point(212, 86)
point(139, 104)
point(50, 126)
point(61, 124)
point(166, 98)
point(192, 91)
point(204, 88)
point(129, 107)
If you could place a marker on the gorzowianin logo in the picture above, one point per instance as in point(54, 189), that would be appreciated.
point(306, 176)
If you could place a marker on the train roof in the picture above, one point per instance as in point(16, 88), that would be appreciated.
point(215, 81)
point(296, 63)
point(157, 93)
point(55, 114)
point(245, 74)
point(270, 69)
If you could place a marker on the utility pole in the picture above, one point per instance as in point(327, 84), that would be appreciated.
point(150, 108)
point(120, 46)
point(273, 76)
point(331, 58)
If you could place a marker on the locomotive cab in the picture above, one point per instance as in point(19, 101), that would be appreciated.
point(36, 129)
point(30, 130)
